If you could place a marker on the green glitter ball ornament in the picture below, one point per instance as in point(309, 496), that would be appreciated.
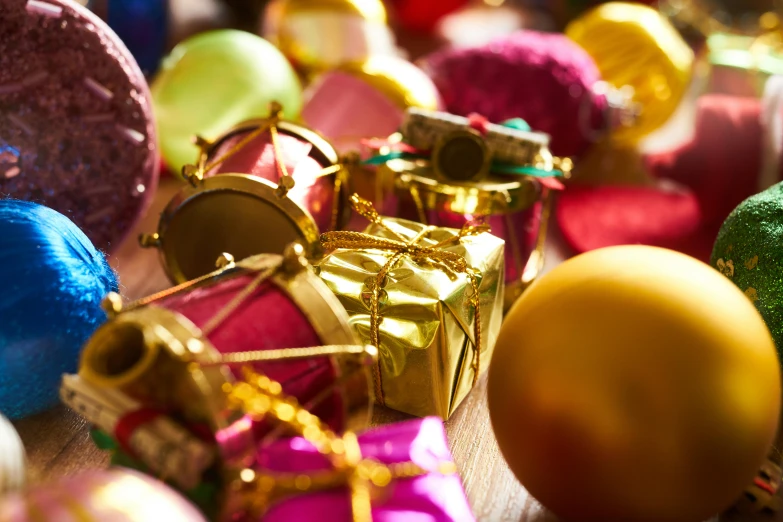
point(749, 251)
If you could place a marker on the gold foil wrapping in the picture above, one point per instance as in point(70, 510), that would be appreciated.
point(427, 344)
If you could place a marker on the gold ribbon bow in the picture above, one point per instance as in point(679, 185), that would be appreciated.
point(259, 397)
point(401, 247)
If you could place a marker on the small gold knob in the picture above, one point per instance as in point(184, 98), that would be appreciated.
point(149, 240)
point(275, 109)
point(192, 174)
point(285, 185)
point(201, 143)
point(112, 304)
point(294, 260)
point(225, 260)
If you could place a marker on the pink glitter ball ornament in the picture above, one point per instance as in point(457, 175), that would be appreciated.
point(115, 495)
point(76, 126)
point(545, 79)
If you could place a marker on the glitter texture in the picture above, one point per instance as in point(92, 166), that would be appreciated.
point(76, 107)
point(749, 251)
point(545, 79)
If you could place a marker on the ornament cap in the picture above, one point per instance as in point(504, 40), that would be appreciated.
point(225, 260)
point(294, 260)
point(112, 304)
point(149, 240)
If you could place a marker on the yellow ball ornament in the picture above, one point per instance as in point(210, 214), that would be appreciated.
point(635, 45)
point(634, 384)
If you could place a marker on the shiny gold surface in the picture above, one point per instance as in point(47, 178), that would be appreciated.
point(487, 197)
point(399, 80)
point(371, 10)
point(319, 35)
point(232, 213)
point(141, 349)
point(426, 332)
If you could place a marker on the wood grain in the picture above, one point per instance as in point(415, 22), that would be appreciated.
point(58, 441)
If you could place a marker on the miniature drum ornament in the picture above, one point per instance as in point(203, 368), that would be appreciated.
point(460, 152)
point(319, 183)
point(177, 350)
point(236, 213)
point(514, 209)
point(262, 186)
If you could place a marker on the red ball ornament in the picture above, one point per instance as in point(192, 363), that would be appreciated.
point(424, 15)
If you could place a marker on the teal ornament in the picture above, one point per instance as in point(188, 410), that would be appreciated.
point(53, 281)
point(518, 124)
point(749, 251)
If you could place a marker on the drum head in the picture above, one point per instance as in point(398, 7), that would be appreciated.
point(235, 214)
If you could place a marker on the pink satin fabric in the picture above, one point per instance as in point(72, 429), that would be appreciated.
point(346, 109)
point(429, 498)
point(311, 191)
point(268, 319)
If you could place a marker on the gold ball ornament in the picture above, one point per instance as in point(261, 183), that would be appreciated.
point(366, 100)
point(634, 384)
point(635, 45)
point(402, 82)
point(318, 35)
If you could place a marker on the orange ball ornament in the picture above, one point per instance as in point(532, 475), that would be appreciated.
point(634, 384)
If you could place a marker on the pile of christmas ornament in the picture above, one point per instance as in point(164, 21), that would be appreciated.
point(353, 230)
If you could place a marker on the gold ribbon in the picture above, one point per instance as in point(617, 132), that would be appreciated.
point(400, 248)
point(259, 396)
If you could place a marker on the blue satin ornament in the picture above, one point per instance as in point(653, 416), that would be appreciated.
point(52, 281)
point(143, 26)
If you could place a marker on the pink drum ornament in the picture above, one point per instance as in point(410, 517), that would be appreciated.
point(77, 132)
point(306, 156)
point(178, 350)
point(257, 189)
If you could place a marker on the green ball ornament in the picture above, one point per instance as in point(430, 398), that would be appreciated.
point(215, 80)
point(749, 251)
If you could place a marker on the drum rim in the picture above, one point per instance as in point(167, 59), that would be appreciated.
point(488, 193)
point(306, 290)
point(247, 184)
point(325, 153)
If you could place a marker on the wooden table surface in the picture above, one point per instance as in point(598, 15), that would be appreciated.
point(58, 442)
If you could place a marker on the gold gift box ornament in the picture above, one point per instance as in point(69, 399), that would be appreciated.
point(431, 298)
